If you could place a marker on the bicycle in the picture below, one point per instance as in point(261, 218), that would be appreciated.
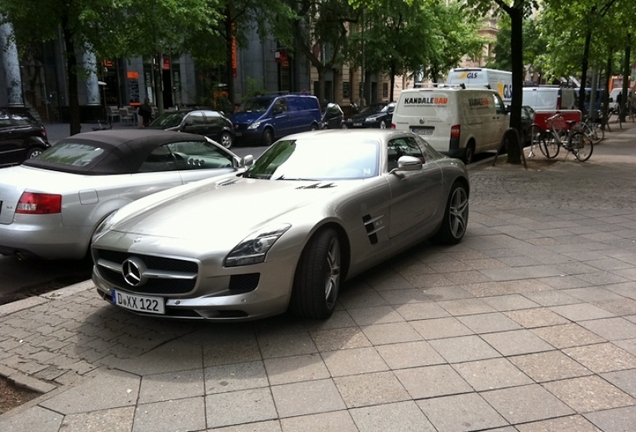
point(571, 138)
point(593, 129)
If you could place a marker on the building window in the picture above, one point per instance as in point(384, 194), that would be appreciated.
point(345, 90)
point(385, 90)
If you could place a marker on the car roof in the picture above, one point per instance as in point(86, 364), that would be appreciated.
point(124, 150)
point(381, 135)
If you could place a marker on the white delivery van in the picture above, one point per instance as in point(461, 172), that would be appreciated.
point(483, 78)
point(455, 121)
point(549, 98)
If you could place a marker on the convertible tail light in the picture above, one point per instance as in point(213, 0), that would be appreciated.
point(43, 131)
point(38, 203)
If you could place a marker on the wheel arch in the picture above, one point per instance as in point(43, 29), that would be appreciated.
point(345, 245)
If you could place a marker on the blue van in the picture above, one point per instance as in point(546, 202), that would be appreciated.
point(264, 119)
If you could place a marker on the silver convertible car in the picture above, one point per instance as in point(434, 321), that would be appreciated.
point(315, 209)
point(51, 205)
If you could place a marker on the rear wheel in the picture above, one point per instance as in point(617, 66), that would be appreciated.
point(382, 124)
point(226, 140)
point(582, 146)
point(470, 153)
point(314, 127)
point(455, 217)
point(318, 277)
point(34, 152)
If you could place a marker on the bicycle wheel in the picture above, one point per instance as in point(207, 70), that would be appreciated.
point(551, 145)
point(599, 133)
point(581, 145)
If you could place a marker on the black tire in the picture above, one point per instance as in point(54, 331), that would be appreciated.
point(382, 124)
point(317, 279)
point(470, 153)
point(455, 219)
point(34, 152)
point(551, 146)
point(582, 146)
point(314, 127)
point(599, 133)
point(268, 137)
point(226, 140)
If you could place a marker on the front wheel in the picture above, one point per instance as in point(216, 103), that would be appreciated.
point(383, 125)
point(582, 146)
point(455, 217)
point(599, 133)
point(318, 277)
point(551, 145)
point(314, 127)
point(268, 137)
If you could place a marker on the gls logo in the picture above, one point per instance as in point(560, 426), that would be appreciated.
point(505, 90)
point(468, 75)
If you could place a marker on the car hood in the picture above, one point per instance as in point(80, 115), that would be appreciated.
point(228, 209)
point(246, 118)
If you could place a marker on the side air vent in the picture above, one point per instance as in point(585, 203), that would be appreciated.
point(317, 186)
point(372, 226)
point(227, 182)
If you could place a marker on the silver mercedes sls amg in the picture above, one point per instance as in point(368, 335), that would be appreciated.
point(315, 209)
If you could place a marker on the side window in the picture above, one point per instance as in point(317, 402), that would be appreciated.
point(280, 106)
point(4, 120)
point(405, 146)
point(499, 105)
point(159, 160)
point(195, 118)
point(199, 155)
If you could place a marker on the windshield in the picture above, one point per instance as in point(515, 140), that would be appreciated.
point(168, 120)
point(257, 104)
point(373, 109)
point(317, 159)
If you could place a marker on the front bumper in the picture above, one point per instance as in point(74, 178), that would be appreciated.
point(263, 290)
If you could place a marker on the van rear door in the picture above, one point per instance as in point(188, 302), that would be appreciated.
point(427, 113)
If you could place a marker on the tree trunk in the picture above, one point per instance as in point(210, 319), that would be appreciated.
point(71, 69)
point(392, 83)
point(608, 73)
point(229, 52)
point(626, 77)
point(159, 83)
point(322, 78)
point(516, 46)
point(584, 66)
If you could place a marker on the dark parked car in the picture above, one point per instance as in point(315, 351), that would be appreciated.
point(377, 115)
point(332, 116)
point(21, 137)
point(211, 124)
point(527, 119)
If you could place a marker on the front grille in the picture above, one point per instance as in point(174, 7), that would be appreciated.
point(166, 284)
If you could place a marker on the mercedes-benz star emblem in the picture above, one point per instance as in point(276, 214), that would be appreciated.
point(422, 121)
point(133, 271)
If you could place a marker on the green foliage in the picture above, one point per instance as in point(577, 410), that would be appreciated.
point(254, 88)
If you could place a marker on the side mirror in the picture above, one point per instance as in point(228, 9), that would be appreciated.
point(247, 161)
point(408, 163)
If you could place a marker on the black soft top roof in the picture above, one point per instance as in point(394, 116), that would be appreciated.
point(124, 150)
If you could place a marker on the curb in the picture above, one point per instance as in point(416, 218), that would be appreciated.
point(20, 305)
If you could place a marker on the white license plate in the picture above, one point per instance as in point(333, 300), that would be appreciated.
point(238, 133)
point(138, 303)
point(357, 124)
point(422, 131)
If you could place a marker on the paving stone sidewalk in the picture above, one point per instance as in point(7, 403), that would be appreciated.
point(527, 325)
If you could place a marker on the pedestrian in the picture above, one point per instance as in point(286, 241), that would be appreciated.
point(145, 112)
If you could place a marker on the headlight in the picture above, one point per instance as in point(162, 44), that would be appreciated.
point(103, 227)
point(254, 125)
point(253, 248)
